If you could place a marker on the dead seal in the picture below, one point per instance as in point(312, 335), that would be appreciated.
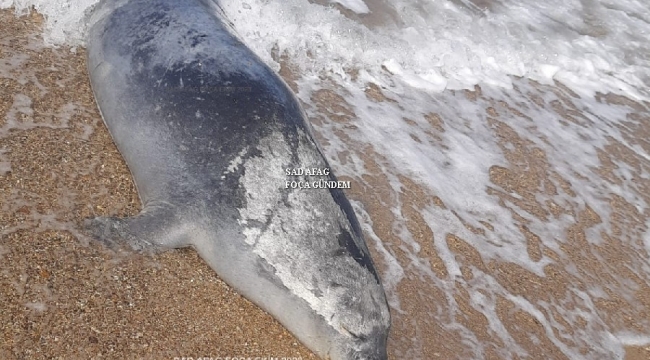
point(208, 132)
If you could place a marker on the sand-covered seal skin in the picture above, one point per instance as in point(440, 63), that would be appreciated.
point(208, 130)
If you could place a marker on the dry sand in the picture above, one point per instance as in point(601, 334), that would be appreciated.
point(63, 296)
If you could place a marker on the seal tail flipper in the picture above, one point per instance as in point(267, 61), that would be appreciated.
point(151, 230)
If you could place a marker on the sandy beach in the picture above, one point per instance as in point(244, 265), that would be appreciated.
point(64, 296)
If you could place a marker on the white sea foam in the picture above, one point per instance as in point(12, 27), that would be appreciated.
point(358, 6)
point(448, 44)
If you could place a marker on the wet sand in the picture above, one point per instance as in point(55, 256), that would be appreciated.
point(65, 296)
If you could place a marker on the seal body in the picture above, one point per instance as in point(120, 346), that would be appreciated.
point(209, 133)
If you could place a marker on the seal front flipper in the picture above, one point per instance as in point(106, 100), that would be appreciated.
point(152, 230)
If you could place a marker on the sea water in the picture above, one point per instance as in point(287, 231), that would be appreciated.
point(543, 70)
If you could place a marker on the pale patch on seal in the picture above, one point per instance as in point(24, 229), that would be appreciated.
point(288, 228)
point(234, 164)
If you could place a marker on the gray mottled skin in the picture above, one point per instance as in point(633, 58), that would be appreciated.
point(207, 130)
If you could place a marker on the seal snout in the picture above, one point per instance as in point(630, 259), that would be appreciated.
point(370, 346)
point(374, 347)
